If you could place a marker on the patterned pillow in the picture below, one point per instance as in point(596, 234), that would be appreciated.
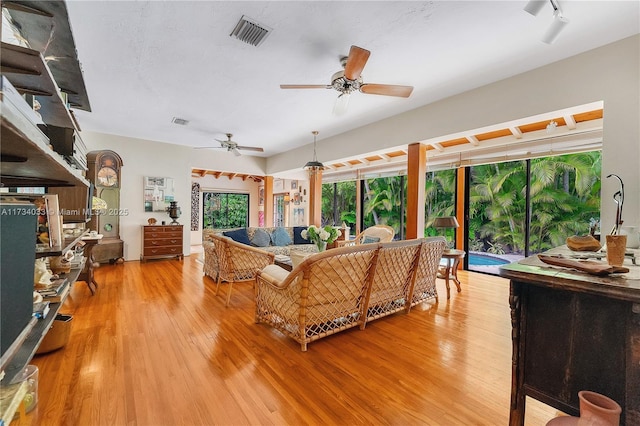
point(369, 240)
point(280, 237)
point(261, 238)
point(297, 237)
point(239, 235)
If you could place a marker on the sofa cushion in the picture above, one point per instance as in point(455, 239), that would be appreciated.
point(280, 237)
point(297, 235)
point(261, 238)
point(368, 239)
point(238, 235)
point(297, 257)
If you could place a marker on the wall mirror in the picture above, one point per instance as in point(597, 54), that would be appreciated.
point(158, 192)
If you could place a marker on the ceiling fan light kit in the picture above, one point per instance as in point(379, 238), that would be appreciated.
point(559, 20)
point(349, 80)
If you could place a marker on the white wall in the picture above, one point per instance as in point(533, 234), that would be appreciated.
point(610, 74)
point(150, 158)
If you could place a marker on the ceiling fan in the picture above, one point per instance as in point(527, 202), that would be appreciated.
point(349, 80)
point(232, 146)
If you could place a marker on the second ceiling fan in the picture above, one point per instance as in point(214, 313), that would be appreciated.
point(232, 146)
point(350, 80)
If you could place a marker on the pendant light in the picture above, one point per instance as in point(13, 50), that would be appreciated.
point(314, 165)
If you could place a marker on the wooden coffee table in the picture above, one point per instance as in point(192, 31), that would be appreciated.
point(284, 262)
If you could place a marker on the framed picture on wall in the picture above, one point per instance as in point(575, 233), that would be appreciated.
point(296, 198)
point(261, 196)
point(294, 184)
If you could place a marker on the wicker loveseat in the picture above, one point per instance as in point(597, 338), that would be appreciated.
point(346, 287)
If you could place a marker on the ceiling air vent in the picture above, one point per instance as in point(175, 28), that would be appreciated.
point(250, 32)
point(180, 121)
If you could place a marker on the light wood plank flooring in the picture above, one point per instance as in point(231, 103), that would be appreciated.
point(155, 346)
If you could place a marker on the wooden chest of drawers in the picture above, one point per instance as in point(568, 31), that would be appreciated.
point(161, 241)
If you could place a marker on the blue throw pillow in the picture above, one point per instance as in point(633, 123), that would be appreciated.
point(239, 235)
point(280, 237)
point(297, 237)
point(369, 240)
point(261, 238)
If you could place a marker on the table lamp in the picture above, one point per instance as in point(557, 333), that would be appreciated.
point(445, 223)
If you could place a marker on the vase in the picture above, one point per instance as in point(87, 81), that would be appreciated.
point(595, 410)
point(322, 246)
point(616, 248)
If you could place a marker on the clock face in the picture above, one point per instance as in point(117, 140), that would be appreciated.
point(107, 177)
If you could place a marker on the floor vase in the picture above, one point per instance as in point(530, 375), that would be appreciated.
point(595, 410)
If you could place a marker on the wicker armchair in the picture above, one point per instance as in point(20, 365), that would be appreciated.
point(320, 297)
point(381, 233)
point(230, 261)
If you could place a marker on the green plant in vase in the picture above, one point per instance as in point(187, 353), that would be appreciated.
point(321, 236)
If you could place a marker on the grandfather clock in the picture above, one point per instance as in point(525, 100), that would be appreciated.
point(103, 170)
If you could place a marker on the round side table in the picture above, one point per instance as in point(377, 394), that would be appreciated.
point(449, 271)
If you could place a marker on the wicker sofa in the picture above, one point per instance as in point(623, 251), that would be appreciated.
point(346, 287)
point(231, 261)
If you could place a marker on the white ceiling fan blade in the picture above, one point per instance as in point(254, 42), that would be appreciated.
point(341, 104)
point(306, 86)
point(250, 148)
point(235, 152)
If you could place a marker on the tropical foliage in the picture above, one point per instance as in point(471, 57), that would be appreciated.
point(564, 197)
point(344, 201)
point(225, 210)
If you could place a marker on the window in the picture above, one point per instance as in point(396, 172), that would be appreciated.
point(225, 210)
point(384, 203)
point(564, 199)
point(339, 204)
point(440, 200)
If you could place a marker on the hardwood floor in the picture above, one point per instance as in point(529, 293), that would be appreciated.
point(155, 346)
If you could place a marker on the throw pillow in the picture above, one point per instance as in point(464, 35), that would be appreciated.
point(261, 238)
point(369, 240)
point(280, 237)
point(297, 257)
point(239, 235)
point(297, 235)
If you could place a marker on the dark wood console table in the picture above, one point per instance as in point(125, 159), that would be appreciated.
point(573, 331)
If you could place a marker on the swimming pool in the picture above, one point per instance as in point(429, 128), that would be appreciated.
point(476, 259)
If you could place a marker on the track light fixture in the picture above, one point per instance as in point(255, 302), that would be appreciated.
point(559, 20)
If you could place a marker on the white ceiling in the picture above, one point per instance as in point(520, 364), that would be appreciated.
point(146, 62)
